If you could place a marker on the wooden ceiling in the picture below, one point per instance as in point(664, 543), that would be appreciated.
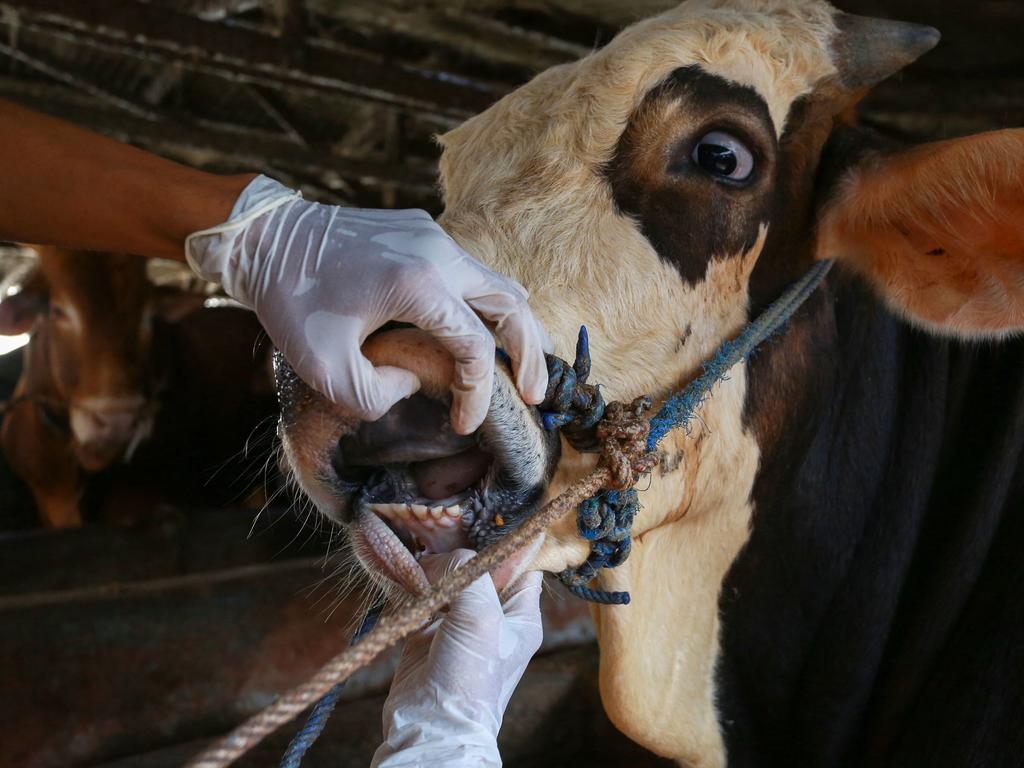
point(343, 97)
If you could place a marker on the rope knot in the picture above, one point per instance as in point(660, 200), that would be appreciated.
point(606, 519)
point(623, 438)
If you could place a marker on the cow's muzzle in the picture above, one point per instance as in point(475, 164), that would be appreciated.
point(106, 430)
point(407, 484)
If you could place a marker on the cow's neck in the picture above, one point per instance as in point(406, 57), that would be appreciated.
point(659, 654)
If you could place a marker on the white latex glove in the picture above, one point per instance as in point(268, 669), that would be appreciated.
point(321, 278)
point(457, 675)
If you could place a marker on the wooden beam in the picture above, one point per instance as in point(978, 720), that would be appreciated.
point(213, 10)
point(462, 30)
point(142, 30)
point(217, 144)
point(91, 674)
point(163, 548)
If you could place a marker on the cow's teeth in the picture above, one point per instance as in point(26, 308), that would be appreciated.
point(382, 509)
point(427, 518)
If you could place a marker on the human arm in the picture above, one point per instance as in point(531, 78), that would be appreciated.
point(63, 185)
point(320, 278)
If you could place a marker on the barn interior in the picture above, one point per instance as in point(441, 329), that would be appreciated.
point(160, 622)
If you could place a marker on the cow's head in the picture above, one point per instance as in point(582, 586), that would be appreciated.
point(661, 191)
point(88, 362)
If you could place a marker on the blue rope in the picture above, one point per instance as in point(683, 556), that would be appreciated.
point(606, 519)
point(678, 409)
point(600, 596)
point(570, 403)
point(322, 710)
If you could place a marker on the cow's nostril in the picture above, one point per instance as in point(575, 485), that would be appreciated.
point(104, 424)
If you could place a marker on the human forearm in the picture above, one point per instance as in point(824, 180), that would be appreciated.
point(66, 186)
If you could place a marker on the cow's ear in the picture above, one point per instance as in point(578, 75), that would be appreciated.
point(939, 231)
point(19, 309)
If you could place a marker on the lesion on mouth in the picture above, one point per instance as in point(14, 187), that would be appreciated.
point(434, 491)
point(442, 504)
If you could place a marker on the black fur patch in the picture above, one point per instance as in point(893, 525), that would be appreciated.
point(689, 216)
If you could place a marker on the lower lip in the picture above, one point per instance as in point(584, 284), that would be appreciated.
point(438, 529)
point(381, 550)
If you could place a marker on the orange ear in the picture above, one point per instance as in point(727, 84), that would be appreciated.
point(939, 230)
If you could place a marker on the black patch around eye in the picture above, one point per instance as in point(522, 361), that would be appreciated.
point(690, 218)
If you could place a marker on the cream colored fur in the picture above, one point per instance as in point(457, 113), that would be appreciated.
point(525, 193)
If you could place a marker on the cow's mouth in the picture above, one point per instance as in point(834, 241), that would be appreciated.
point(429, 491)
point(407, 484)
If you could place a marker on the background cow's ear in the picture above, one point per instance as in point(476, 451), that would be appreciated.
point(939, 230)
point(18, 311)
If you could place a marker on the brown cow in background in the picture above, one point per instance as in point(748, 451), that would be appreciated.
point(131, 394)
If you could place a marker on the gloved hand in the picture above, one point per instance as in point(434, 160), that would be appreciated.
point(457, 675)
point(321, 278)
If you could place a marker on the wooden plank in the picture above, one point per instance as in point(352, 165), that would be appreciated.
point(175, 545)
point(96, 673)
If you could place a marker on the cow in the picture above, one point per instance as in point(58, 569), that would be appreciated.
point(130, 394)
point(825, 570)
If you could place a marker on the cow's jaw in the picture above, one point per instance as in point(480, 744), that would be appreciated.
point(658, 653)
point(661, 691)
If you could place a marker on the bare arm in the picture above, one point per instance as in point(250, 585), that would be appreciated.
point(62, 185)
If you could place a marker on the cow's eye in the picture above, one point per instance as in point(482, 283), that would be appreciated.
point(724, 156)
point(58, 312)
